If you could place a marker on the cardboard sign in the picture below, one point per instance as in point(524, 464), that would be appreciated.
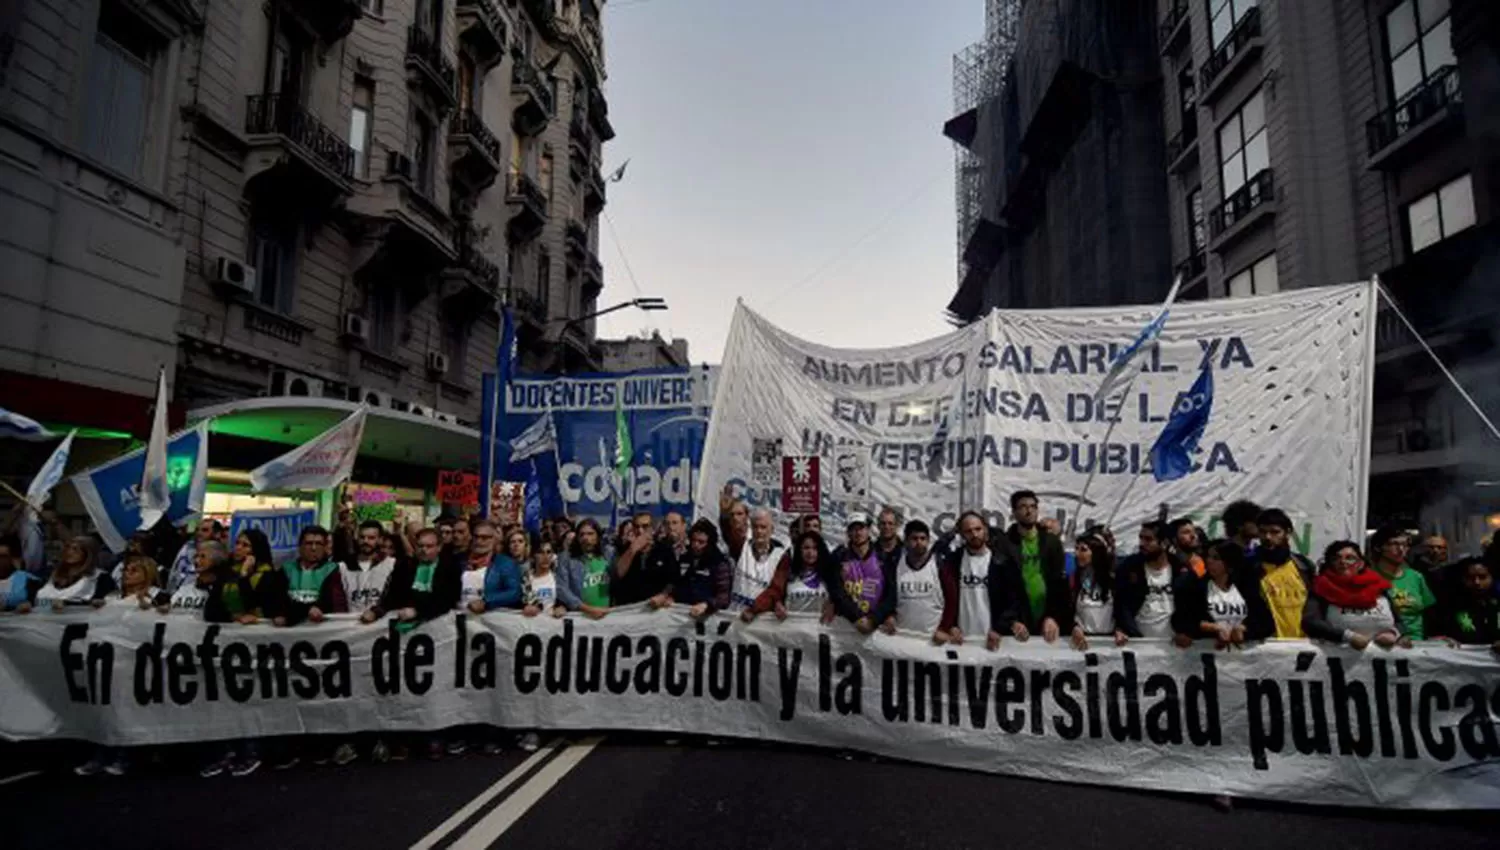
point(765, 460)
point(458, 487)
point(282, 527)
point(507, 502)
point(800, 484)
point(374, 504)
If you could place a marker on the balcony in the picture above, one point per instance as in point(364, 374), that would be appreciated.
point(1437, 105)
point(593, 276)
point(404, 234)
point(576, 239)
point(529, 310)
point(1249, 203)
point(426, 64)
point(473, 281)
point(1182, 149)
point(294, 158)
point(529, 207)
point(1174, 27)
point(543, 16)
point(595, 194)
point(535, 107)
point(1230, 58)
point(473, 154)
point(599, 116)
point(482, 28)
point(330, 20)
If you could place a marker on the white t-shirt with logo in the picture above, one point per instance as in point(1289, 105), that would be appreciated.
point(1226, 607)
point(1155, 617)
point(362, 587)
point(544, 590)
point(1095, 612)
point(76, 593)
point(472, 587)
point(189, 599)
point(805, 593)
point(919, 597)
point(1365, 621)
point(974, 593)
point(753, 575)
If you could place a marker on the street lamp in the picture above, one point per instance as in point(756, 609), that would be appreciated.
point(645, 303)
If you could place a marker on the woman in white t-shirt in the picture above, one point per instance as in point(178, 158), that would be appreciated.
point(1212, 606)
point(539, 582)
point(1349, 602)
point(1093, 583)
point(75, 580)
point(138, 588)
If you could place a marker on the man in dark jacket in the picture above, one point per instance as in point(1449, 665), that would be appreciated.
point(990, 593)
point(420, 588)
point(647, 566)
point(307, 588)
point(705, 578)
point(1048, 604)
point(1144, 587)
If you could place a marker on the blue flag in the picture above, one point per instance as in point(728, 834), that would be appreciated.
point(1172, 456)
point(531, 514)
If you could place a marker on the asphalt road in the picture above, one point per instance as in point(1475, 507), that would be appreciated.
point(624, 792)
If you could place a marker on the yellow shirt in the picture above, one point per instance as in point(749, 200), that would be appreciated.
point(1286, 594)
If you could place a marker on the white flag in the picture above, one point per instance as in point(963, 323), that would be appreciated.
point(539, 437)
point(1119, 368)
point(36, 496)
point(322, 463)
point(156, 494)
point(18, 427)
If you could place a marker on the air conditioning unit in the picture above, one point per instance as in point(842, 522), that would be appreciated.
point(419, 410)
point(437, 362)
point(372, 397)
point(287, 383)
point(400, 404)
point(356, 327)
point(233, 276)
point(443, 417)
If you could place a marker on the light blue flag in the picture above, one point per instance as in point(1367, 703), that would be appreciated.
point(1172, 455)
point(36, 497)
point(156, 493)
point(1119, 368)
point(17, 427)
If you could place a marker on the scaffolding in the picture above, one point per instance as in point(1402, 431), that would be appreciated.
point(978, 77)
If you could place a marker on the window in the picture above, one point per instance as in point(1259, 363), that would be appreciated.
point(383, 309)
point(119, 92)
point(361, 117)
point(466, 79)
point(1435, 217)
point(1418, 42)
point(1187, 93)
point(284, 66)
point(1197, 224)
point(423, 145)
point(430, 18)
point(544, 277)
point(544, 175)
point(1258, 279)
point(1243, 149)
point(456, 346)
point(1223, 15)
point(273, 253)
point(523, 39)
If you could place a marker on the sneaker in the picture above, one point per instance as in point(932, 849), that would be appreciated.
point(492, 748)
point(530, 742)
point(344, 754)
point(457, 747)
point(214, 768)
point(89, 768)
point(245, 767)
point(117, 766)
point(399, 752)
point(287, 763)
point(380, 753)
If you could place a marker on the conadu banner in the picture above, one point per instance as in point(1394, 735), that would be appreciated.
point(1289, 721)
point(1008, 403)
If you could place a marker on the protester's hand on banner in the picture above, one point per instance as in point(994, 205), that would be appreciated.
point(956, 636)
point(368, 617)
point(143, 601)
point(406, 615)
point(559, 611)
point(1049, 630)
point(247, 619)
point(699, 611)
point(1080, 640)
point(477, 606)
point(660, 601)
point(780, 611)
point(278, 621)
point(865, 625)
point(97, 603)
point(59, 607)
point(1019, 631)
point(1358, 641)
point(531, 610)
point(827, 616)
point(315, 614)
point(1121, 638)
point(747, 615)
point(1182, 641)
point(992, 640)
point(889, 626)
point(23, 608)
point(594, 612)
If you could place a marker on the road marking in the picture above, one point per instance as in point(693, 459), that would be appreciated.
point(20, 776)
point(432, 839)
point(493, 825)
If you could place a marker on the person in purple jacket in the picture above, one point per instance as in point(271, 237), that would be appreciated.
point(866, 596)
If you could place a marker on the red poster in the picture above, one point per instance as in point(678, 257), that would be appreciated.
point(458, 487)
point(800, 485)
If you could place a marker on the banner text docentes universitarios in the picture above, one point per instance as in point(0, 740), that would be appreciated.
point(1285, 720)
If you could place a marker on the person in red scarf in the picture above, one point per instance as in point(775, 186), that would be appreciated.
point(1348, 604)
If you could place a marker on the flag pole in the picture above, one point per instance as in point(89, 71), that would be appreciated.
point(1099, 458)
point(1468, 399)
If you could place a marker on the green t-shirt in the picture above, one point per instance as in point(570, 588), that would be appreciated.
point(304, 586)
point(595, 582)
point(1031, 572)
point(1410, 598)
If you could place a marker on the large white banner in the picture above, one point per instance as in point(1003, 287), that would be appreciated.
point(962, 421)
point(1291, 721)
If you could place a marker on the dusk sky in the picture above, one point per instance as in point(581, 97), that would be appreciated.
point(788, 152)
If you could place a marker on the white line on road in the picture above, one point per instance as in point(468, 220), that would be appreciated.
point(432, 839)
point(504, 816)
point(20, 776)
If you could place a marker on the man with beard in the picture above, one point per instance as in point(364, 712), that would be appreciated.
point(926, 593)
point(1277, 581)
point(646, 567)
point(705, 577)
point(1048, 608)
point(365, 572)
point(1186, 542)
point(1144, 601)
point(1242, 525)
point(990, 594)
point(866, 594)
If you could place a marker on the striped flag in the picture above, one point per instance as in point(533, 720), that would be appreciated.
point(1119, 368)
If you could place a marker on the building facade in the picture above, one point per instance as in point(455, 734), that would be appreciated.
point(644, 352)
point(325, 200)
point(1317, 143)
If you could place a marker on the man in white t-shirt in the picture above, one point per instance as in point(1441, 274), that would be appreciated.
point(365, 574)
point(990, 592)
point(926, 590)
point(756, 562)
point(1144, 600)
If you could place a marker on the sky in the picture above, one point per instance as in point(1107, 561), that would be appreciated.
point(787, 152)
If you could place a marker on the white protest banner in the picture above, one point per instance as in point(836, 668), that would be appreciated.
point(322, 463)
point(1289, 425)
point(1289, 721)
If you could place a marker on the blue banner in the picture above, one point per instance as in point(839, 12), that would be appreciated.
point(111, 492)
point(281, 526)
point(665, 412)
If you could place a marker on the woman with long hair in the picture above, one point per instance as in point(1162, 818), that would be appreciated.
point(585, 573)
point(252, 561)
point(539, 585)
point(1093, 582)
point(1212, 606)
point(1349, 602)
point(799, 583)
point(137, 588)
point(76, 580)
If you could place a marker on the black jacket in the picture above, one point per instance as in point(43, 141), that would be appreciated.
point(651, 572)
point(1259, 624)
point(442, 597)
point(1130, 591)
point(1054, 569)
point(1007, 592)
point(844, 604)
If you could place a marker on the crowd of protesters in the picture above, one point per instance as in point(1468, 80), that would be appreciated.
point(977, 583)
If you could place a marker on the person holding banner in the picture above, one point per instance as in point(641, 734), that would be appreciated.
point(308, 588)
point(1092, 586)
point(483, 537)
point(420, 588)
point(645, 566)
point(539, 584)
point(584, 574)
point(204, 596)
point(137, 587)
point(1348, 603)
point(1280, 578)
point(888, 542)
point(865, 593)
point(17, 587)
point(926, 594)
point(800, 581)
point(503, 580)
point(1049, 602)
point(183, 568)
point(1242, 525)
point(1411, 597)
point(365, 571)
point(1144, 586)
point(253, 562)
point(1473, 616)
point(1211, 605)
point(990, 593)
point(76, 580)
point(706, 577)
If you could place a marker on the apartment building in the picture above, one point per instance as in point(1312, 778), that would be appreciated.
point(321, 200)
